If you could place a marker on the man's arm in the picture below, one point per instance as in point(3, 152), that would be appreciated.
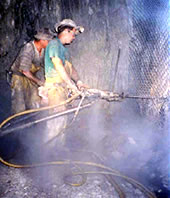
point(26, 58)
point(77, 80)
point(29, 75)
point(75, 77)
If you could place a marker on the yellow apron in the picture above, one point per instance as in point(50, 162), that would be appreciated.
point(24, 92)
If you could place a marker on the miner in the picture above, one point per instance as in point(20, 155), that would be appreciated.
point(28, 73)
point(60, 75)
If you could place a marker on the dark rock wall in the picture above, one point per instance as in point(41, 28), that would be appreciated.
point(19, 20)
point(96, 51)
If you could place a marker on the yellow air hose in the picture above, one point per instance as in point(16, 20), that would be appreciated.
point(130, 180)
point(39, 109)
point(109, 171)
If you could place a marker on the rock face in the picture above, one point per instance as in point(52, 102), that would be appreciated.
point(18, 21)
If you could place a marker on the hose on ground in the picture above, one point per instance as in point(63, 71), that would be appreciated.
point(109, 171)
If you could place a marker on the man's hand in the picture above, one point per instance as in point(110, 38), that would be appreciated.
point(29, 75)
point(81, 86)
point(73, 89)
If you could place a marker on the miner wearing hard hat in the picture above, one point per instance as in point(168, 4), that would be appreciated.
point(28, 72)
point(60, 75)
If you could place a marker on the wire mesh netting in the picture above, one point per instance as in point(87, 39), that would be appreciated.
point(149, 70)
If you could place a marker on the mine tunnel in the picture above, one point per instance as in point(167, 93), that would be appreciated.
point(119, 147)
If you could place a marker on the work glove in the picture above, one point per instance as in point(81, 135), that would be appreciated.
point(73, 90)
point(81, 86)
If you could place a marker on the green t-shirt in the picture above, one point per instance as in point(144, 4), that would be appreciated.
point(54, 49)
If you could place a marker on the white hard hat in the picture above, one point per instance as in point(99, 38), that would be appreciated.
point(69, 22)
